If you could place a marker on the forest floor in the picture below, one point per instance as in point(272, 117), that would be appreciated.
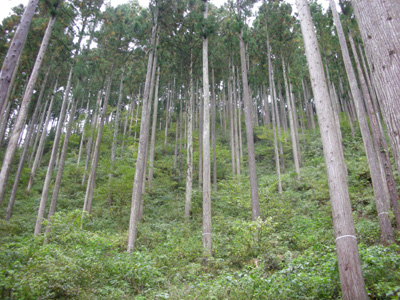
point(288, 253)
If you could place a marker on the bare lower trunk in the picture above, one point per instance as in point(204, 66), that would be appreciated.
point(49, 173)
point(60, 169)
point(153, 130)
point(189, 151)
point(255, 207)
point(207, 240)
point(379, 142)
point(14, 52)
point(87, 206)
point(352, 282)
point(142, 149)
point(23, 111)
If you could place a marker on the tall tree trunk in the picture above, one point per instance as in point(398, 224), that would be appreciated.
point(376, 175)
point(352, 282)
point(23, 111)
point(231, 107)
point(142, 149)
point(83, 132)
point(207, 241)
point(87, 206)
point(291, 122)
point(89, 143)
point(201, 130)
point(189, 151)
point(114, 142)
point(52, 162)
point(39, 150)
point(379, 23)
point(153, 130)
point(60, 169)
point(21, 163)
point(214, 172)
point(379, 141)
point(255, 207)
point(14, 52)
point(4, 121)
point(236, 146)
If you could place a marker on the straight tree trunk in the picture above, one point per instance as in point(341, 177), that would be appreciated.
point(14, 52)
point(87, 206)
point(60, 169)
point(90, 140)
point(231, 126)
point(352, 281)
point(52, 162)
point(23, 111)
point(207, 241)
point(236, 124)
point(379, 24)
point(83, 133)
point(189, 150)
point(255, 207)
point(379, 141)
point(291, 123)
point(114, 142)
point(142, 149)
point(21, 163)
point(4, 121)
point(387, 235)
point(153, 130)
point(214, 163)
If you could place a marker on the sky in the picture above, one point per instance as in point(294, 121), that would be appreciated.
point(6, 5)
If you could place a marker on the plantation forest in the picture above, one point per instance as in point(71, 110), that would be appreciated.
point(186, 150)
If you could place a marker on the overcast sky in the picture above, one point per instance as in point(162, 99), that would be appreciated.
point(6, 5)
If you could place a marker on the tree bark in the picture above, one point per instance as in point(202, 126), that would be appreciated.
point(87, 206)
point(352, 282)
point(387, 235)
point(189, 150)
point(49, 173)
point(379, 24)
point(379, 142)
point(14, 52)
point(255, 207)
point(60, 169)
point(142, 149)
point(23, 111)
point(207, 240)
point(153, 130)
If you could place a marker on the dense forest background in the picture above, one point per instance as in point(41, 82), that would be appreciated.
point(185, 151)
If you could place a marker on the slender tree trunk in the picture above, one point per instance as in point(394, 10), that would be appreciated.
point(278, 122)
point(49, 173)
point(39, 150)
point(114, 142)
point(255, 207)
point(142, 149)
point(189, 151)
point(231, 126)
point(207, 241)
point(376, 176)
point(153, 130)
point(4, 121)
point(21, 164)
point(87, 206)
point(214, 172)
point(352, 282)
point(291, 123)
point(201, 130)
point(236, 124)
point(14, 52)
point(60, 169)
point(90, 140)
point(379, 24)
point(83, 133)
point(23, 111)
point(379, 142)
